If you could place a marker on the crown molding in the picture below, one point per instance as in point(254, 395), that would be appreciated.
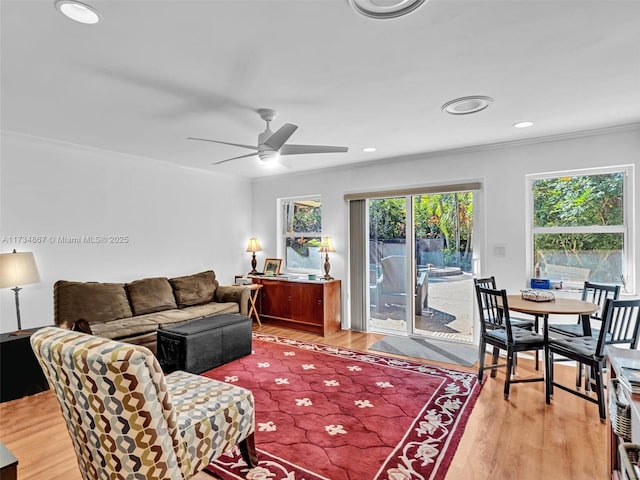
point(470, 149)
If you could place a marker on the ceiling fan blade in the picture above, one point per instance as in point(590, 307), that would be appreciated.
point(276, 140)
point(224, 143)
point(299, 149)
point(234, 158)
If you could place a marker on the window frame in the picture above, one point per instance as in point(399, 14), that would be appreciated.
point(626, 229)
point(282, 235)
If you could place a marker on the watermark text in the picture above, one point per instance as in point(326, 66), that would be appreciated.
point(64, 239)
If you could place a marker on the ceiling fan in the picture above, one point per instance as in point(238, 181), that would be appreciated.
point(272, 145)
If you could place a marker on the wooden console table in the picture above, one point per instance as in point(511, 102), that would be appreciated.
point(308, 305)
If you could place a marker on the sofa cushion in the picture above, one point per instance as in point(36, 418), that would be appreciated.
point(194, 289)
point(150, 295)
point(167, 317)
point(91, 301)
point(209, 309)
point(124, 328)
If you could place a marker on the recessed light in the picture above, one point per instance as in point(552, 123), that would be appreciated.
point(383, 9)
point(523, 124)
point(78, 11)
point(369, 149)
point(467, 105)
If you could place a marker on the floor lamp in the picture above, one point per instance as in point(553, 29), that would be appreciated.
point(18, 268)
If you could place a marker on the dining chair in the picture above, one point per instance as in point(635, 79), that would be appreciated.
point(128, 421)
point(620, 324)
point(594, 293)
point(498, 331)
point(526, 323)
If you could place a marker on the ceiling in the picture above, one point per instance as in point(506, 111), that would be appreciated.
point(155, 72)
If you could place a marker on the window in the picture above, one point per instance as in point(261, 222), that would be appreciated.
point(580, 226)
point(302, 233)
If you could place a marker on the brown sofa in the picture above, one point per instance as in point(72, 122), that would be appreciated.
point(132, 312)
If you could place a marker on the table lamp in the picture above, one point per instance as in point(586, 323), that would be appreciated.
point(253, 247)
point(18, 268)
point(326, 246)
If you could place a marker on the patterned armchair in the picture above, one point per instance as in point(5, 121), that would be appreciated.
point(127, 420)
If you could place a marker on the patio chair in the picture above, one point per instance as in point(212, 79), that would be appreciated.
point(391, 285)
point(620, 324)
point(127, 420)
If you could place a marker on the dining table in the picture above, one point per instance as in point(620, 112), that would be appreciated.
point(556, 306)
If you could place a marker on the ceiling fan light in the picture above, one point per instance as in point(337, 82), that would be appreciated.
point(269, 157)
point(78, 11)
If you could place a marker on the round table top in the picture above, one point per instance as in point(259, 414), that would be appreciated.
point(561, 306)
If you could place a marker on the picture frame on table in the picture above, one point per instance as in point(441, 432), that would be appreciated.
point(272, 266)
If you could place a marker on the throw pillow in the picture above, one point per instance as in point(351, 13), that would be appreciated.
point(91, 301)
point(194, 289)
point(150, 295)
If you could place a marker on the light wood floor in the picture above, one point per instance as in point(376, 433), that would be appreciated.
point(522, 438)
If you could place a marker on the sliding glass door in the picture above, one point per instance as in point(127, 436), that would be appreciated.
point(443, 239)
point(420, 263)
point(388, 260)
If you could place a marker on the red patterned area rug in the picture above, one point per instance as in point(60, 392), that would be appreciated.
point(324, 412)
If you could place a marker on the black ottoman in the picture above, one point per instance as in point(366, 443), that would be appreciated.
point(200, 345)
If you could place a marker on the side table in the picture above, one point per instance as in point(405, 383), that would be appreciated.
point(255, 289)
point(20, 372)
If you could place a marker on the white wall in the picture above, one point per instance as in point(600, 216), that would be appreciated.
point(181, 221)
point(177, 221)
point(502, 170)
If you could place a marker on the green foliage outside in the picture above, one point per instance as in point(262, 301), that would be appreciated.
point(581, 201)
point(303, 218)
point(446, 216)
point(387, 218)
point(307, 220)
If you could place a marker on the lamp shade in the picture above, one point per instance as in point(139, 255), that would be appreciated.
point(254, 245)
point(18, 268)
point(327, 245)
